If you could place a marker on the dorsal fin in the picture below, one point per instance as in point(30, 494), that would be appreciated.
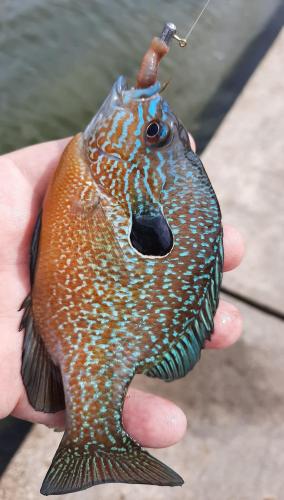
point(184, 354)
point(34, 247)
point(41, 377)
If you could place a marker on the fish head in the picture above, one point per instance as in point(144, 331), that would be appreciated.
point(134, 144)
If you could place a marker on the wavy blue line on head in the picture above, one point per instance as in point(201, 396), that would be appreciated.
point(152, 110)
point(136, 94)
point(140, 120)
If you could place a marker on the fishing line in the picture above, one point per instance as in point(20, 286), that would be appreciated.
point(170, 31)
point(183, 41)
point(196, 21)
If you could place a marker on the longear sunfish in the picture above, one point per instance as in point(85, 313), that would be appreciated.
point(126, 267)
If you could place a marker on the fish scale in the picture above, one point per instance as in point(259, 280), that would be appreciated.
point(126, 270)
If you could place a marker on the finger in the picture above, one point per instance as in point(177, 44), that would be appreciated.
point(192, 143)
point(37, 162)
point(151, 420)
point(25, 411)
point(228, 326)
point(234, 247)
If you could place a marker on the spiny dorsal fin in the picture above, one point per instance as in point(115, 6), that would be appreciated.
point(41, 377)
point(34, 247)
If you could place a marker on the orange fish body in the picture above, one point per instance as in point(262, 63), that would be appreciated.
point(125, 273)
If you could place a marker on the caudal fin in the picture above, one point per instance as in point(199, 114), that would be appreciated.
point(77, 468)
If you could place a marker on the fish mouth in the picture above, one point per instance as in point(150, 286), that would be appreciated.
point(151, 236)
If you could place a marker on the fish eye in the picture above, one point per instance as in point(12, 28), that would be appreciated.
point(153, 129)
point(157, 134)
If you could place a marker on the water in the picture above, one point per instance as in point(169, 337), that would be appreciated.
point(59, 58)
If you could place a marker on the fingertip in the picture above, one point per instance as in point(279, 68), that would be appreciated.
point(153, 421)
point(192, 143)
point(228, 325)
point(234, 247)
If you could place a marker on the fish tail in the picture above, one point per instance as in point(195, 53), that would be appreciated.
point(77, 467)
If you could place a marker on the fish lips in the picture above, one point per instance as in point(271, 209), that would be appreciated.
point(151, 236)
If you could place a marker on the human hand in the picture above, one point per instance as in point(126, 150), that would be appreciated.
point(24, 175)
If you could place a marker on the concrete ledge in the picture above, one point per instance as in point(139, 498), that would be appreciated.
point(245, 164)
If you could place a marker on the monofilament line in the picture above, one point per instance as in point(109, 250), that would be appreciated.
point(195, 22)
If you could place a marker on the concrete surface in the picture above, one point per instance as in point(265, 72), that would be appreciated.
point(245, 163)
point(234, 399)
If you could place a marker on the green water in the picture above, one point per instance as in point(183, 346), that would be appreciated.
point(59, 58)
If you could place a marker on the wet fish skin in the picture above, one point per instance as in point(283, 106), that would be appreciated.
point(101, 311)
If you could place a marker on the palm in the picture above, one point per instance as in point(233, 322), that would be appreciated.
point(24, 175)
point(22, 186)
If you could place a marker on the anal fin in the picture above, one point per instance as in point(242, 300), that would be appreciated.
point(41, 377)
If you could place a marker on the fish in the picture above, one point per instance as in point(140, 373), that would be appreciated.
point(126, 268)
